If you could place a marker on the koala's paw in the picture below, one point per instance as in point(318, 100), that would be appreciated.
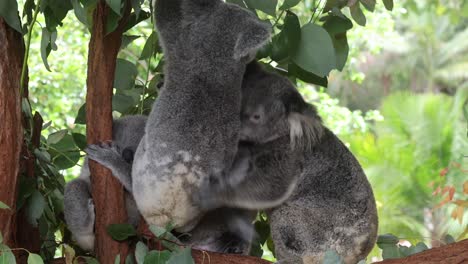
point(91, 215)
point(207, 196)
point(238, 173)
point(104, 153)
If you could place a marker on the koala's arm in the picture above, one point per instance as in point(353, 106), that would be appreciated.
point(109, 156)
point(265, 184)
point(79, 213)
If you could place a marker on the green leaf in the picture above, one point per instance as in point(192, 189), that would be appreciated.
point(6, 256)
point(331, 257)
point(157, 231)
point(117, 259)
point(65, 153)
point(387, 239)
point(136, 5)
point(315, 53)
point(182, 257)
point(90, 260)
point(80, 140)
point(285, 44)
point(127, 39)
point(34, 259)
point(368, 4)
point(47, 44)
point(80, 12)
point(337, 27)
point(237, 2)
point(27, 186)
point(141, 250)
point(26, 107)
point(157, 257)
point(125, 74)
point(54, 12)
point(35, 207)
point(112, 22)
point(129, 259)
point(308, 77)
point(388, 4)
point(9, 12)
point(55, 137)
point(122, 103)
point(448, 239)
point(289, 3)
point(266, 6)
point(81, 116)
point(121, 232)
point(357, 14)
point(115, 5)
point(150, 46)
point(134, 19)
point(4, 206)
point(42, 155)
point(419, 247)
point(390, 252)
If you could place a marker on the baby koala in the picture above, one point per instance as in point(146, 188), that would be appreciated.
point(79, 206)
point(316, 194)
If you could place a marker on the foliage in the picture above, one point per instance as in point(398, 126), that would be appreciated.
point(403, 159)
point(402, 154)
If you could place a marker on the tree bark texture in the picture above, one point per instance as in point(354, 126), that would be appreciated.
point(11, 131)
point(455, 253)
point(28, 236)
point(108, 194)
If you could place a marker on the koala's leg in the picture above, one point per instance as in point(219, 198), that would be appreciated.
point(79, 213)
point(110, 157)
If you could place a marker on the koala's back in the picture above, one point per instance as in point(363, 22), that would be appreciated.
point(333, 207)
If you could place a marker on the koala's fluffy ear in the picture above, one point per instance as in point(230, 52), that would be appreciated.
point(305, 125)
point(252, 38)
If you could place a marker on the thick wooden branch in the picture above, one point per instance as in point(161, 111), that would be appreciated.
point(455, 253)
point(108, 194)
point(11, 131)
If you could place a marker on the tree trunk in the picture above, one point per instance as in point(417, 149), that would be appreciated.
point(108, 194)
point(11, 132)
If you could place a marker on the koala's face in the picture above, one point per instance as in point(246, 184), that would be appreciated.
point(264, 115)
point(268, 100)
point(263, 120)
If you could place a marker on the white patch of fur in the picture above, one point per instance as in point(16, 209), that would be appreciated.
point(162, 161)
point(186, 156)
point(304, 130)
point(163, 145)
point(85, 241)
point(168, 201)
point(180, 168)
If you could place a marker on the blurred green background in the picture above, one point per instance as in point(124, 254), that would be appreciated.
point(400, 104)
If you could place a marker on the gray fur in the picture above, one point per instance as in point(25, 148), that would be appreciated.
point(223, 230)
point(332, 205)
point(193, 128)
point(79, 206)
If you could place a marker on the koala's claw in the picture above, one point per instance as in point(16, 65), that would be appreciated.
point(103, 151)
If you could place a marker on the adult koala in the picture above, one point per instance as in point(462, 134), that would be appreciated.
point(193, 128)
point(317, 195)
point(79, 207)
